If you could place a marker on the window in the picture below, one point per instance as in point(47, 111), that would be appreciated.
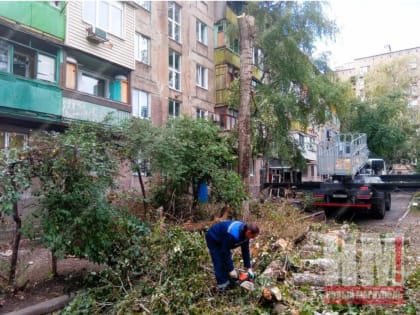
point(201, 29)
point(174, 108)
point(105, 15)
point(174, 70)
point(56, 4)
point(174, 21)
point(257, 57)
point(202, 76)
point(10, 141)
point(251, 168)
point(27, 63)
point(46, 68)
point(141, 104)
point(92, 84)
point(201, 113)
point(4, 56)
point(144, 4)
point(23, 62)
point(142, 48)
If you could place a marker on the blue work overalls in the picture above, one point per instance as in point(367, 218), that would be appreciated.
point(221, 238)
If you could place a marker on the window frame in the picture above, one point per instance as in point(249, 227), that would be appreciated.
point(138, 43)
point(200, 113)
point(174, 21)
point(202, 76)
point(146, 4)
point(174, 78)
point(8, 49)
point(7, 150)
point(202, 32)
point(85, 72)
point(174, 108)
point(97, 18)
point(137, 103)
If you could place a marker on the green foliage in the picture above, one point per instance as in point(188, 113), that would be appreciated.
point(75, 170)
point(296, 87)
point(15, 179)
point(188, 153)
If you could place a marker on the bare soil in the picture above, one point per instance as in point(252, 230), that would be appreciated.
point(34, 278)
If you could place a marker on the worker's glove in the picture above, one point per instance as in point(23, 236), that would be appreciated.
point(234, 274)
point(251, 274)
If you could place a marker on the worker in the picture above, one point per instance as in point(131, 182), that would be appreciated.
point(221, 238)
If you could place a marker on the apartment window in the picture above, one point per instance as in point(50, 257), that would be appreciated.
point(141, 104)
point(174, 70)
point(201, 29)
point(142, 48)
point(202, 76)
point(10, 141)
point(144, 4)
point(92, 84)
point(4, 56)
point(257, 57)
point(174, 108)
point(107, 15)
point(200, 113)
point(27, 62)
point(45, 68)
point(174, 21)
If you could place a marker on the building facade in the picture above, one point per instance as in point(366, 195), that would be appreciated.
point(356, 71)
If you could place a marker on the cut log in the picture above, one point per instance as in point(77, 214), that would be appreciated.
point(300, 279)
point(276, 270)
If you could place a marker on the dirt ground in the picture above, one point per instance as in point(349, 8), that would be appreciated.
point(34, 274)
point(35, 279)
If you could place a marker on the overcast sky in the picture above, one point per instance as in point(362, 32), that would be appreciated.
point(367, 27)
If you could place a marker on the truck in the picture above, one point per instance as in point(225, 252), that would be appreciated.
point(351, 181)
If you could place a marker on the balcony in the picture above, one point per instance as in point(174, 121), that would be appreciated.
point(224, 55)
point(29, 98)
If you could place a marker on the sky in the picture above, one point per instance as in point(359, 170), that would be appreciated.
point(369, 27)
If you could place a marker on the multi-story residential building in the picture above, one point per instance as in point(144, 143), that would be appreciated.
point(85, 60)
point(356, 71)
point(174, 60)
point(61, 61)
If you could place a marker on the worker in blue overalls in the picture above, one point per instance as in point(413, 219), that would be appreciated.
point(221, 238)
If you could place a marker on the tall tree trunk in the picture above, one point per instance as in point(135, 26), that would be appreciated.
point(246, 35)
point(16, 242)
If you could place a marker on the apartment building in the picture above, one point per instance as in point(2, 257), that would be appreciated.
point(174, 60)
point(356, 71)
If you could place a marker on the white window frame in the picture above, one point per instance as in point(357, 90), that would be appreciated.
point(174, 108)
point(202, 75)
point(174, 21)
point(174, 80)
point(141, 104)
point(201, 113)
point(5, 53)
point(144, 4)
point(91, 14)
point(142, 48)
point(86, 73)
point(45, 69)
point(7, 150)
point(202, 32)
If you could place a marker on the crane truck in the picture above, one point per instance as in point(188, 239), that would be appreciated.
point(352, 181)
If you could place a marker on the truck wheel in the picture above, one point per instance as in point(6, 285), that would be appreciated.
point(379, 210)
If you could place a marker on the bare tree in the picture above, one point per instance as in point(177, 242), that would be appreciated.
point(246, 25)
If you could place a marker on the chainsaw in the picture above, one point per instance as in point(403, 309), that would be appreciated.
point(244, 281)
